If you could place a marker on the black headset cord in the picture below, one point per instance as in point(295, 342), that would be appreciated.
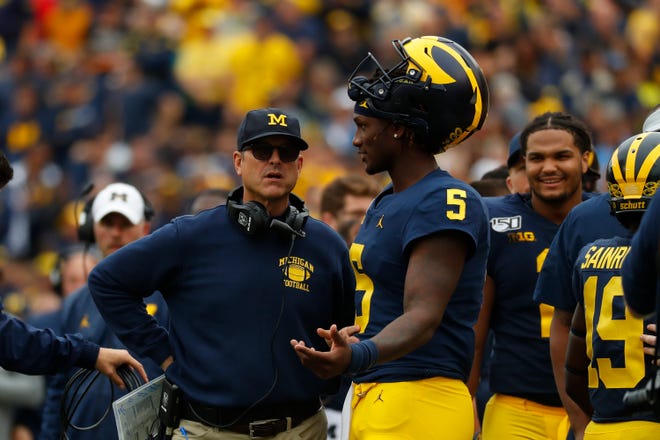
point(83, 376)
point(272, 354)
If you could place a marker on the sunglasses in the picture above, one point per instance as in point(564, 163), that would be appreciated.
point(264, 152)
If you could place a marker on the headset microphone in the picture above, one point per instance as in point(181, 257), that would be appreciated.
point(283, 226)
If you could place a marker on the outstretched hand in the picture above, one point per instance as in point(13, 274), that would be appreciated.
point(327, 364)
point(109, 359)
point(349, 332)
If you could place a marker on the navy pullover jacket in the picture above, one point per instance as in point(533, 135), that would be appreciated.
point(235, 302)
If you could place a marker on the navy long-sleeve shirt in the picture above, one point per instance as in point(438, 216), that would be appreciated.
point(235, 302)
point(29, 350)
point(79, 314)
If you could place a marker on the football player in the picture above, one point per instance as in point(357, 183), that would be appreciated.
point(605, 355)
point(525, 403)
point(116, 216)
point(588, 222)
point(420, 254)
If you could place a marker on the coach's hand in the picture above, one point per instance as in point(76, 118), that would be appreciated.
point(109, 359)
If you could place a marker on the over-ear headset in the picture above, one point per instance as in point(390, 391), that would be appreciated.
point(253, 217)
point(86, 222)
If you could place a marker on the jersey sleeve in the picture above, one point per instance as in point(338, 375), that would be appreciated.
point(639, 272)
point(451, 208)
point(28, 350)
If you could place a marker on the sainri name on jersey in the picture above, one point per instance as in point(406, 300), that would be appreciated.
point(605, 257)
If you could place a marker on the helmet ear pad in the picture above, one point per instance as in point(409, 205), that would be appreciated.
point(436, 114)
point(403, 105)
point(409, 103)
point(406, 105)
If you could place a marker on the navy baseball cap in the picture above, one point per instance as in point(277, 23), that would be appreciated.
point(264, 122)
point(514, 150)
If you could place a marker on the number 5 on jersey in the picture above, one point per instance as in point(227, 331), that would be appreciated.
point(364, 287)
point(456, 203)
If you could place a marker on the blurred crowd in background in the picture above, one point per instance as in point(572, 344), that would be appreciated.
point(150, 92)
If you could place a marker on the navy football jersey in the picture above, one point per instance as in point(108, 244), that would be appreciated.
point(618, 363)
point(640, 268)
point(587, 222)
point(520, 237)
point(379, 255)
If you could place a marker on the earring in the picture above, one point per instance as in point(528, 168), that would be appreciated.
point(396, 136)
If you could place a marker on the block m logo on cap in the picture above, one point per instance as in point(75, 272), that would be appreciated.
point(120, 196)
point(265, 122)
point(274, 119)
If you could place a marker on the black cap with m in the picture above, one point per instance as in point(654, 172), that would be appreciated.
point(265, 122)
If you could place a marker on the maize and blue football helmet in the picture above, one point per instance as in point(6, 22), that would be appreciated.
point(437, 89)
point(633, 174)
